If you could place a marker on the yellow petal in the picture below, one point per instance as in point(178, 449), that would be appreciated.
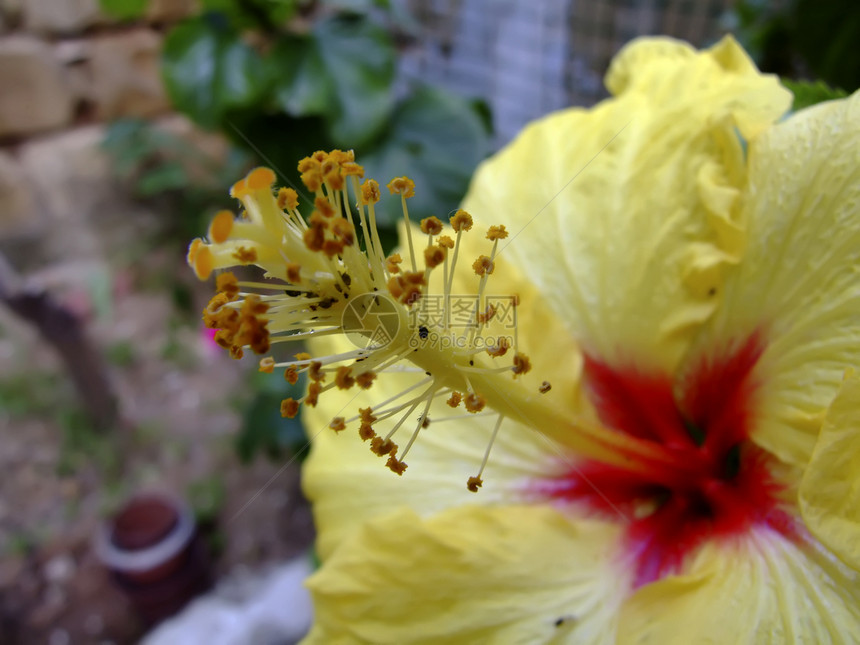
point(471, 575)
point(830, 490)
point(349, 485)
point(626, 215)
point(797, 284)
point(762, 590)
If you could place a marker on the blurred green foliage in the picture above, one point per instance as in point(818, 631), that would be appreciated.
point(159, 164)
point(282, 78)
point(807, 93)
point(264, 430)
point(803, 40)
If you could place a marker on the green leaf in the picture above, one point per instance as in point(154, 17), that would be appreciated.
point(437, 140)
point(343, 71)
point(242, 14)
point(807, 93)
point(208, 71)
point(303, 86)
point(825, 34)
point(169, 175)
point(263, 428)
point(124, 9)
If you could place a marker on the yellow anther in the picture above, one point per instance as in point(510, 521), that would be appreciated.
point(288, 199)
point(403, 186)
point(329, 166)
point(544, 387)
point(334, 179)
point(395, 287)
point(320, 156)
point(445, 241)
point(414, 277)
point(350, 168)
point(392, 262)
point(365, 431)
point(291, 375)
point(314, 238)
point(303, 356)
point(461, 221)
point(496, 233)
point(312, 179)
point(395, 466)
point(343, 378)
point(332, 248)
point(381, 447)
point(315, 372)
point(313, 395)
point(308, 164)
point(522, 364)
point(267, 365)
point(411, 295)
point(221, 227)
point(434, 256)
point(475, 402)
point(487, 314)
point(289, 408)
point(245, 255)
point(324, 206)
point(454, 399)
point(337, 424)
point(484, 266)
point(317, 221)
point(474, 483)
point(203, 262)
point(260, 179)
point(227, 284)
point(215, 317)
point(499, 350)
point(365, 379)
point(340, 157)
point(431, 225)
point(366, 415)
point(369, 192)
point(343, 230)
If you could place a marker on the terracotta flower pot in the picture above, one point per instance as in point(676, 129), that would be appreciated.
point(152, 547)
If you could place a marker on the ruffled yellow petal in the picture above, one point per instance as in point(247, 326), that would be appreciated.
point(762, 590)
point(830, 490)
point(471, 575)
point(626, 215)
point(797, 285)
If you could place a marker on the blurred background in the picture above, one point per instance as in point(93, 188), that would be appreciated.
point(122, 124)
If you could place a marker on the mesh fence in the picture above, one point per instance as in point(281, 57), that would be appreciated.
point(529, 57)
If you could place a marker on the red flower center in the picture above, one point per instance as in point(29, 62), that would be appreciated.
point(719, 483)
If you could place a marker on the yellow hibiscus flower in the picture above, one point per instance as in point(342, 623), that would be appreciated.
point(680, 456)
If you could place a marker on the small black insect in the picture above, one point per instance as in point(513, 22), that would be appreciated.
point(423, 332)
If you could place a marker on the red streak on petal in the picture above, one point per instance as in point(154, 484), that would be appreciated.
point(719, 396)
point(720, 483)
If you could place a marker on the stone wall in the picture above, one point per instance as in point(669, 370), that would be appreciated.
point(66, 72)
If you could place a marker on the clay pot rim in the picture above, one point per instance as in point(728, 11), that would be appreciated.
point(125, 560)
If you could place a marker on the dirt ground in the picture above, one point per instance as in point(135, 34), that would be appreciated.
point(181, 402)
